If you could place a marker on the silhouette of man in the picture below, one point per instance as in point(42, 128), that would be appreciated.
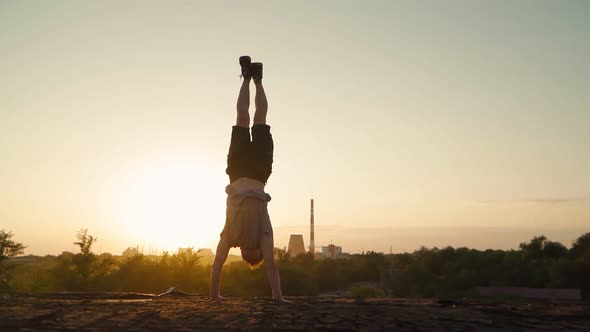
point(249, 165)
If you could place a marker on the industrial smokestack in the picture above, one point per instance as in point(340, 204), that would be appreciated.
point(311, 240)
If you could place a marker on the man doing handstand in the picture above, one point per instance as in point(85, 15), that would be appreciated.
point(249, 165)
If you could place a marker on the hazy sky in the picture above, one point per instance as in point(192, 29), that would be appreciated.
point(411, 123)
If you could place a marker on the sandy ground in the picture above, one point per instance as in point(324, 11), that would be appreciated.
point(125, 312)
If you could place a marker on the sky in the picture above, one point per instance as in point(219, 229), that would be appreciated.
point(410, 123)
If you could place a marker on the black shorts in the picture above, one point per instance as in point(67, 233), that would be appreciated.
point(250, 158)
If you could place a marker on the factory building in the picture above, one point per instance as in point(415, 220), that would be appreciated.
point(331, 251)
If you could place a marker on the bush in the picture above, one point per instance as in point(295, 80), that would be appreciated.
point(366, 291)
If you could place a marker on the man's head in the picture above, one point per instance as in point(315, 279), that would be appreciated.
point(253, 257)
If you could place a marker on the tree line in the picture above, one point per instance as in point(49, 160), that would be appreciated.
point(426, 272)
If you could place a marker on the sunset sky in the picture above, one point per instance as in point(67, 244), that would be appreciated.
point(463, 123)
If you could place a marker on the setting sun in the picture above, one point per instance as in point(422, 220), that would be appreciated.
point(167, 205)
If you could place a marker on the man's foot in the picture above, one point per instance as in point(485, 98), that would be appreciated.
point(246, 64)
point(256, 70)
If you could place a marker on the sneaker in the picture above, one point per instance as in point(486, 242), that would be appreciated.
point(256, 69)
point(245, 63)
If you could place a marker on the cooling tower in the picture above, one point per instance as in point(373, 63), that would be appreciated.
point(296, 246)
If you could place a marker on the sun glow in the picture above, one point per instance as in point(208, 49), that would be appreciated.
point(167, 205)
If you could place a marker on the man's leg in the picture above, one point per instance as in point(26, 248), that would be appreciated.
point(220, 257)
point(243, 104)
point(239, 146)
point(262, 142)
point(260, 103)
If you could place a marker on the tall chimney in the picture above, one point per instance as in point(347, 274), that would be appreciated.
point(311, 240)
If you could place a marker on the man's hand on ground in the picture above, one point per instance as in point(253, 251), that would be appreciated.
point(282, 300)
point(218, 298)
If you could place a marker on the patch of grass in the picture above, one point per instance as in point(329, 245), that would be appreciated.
point(366, 291)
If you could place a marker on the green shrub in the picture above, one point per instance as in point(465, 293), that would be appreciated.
point(366, 291)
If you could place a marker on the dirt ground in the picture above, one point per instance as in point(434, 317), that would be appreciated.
point(129, 312)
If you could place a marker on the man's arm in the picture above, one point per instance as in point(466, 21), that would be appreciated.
point(272, 270)
point(220, 257)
